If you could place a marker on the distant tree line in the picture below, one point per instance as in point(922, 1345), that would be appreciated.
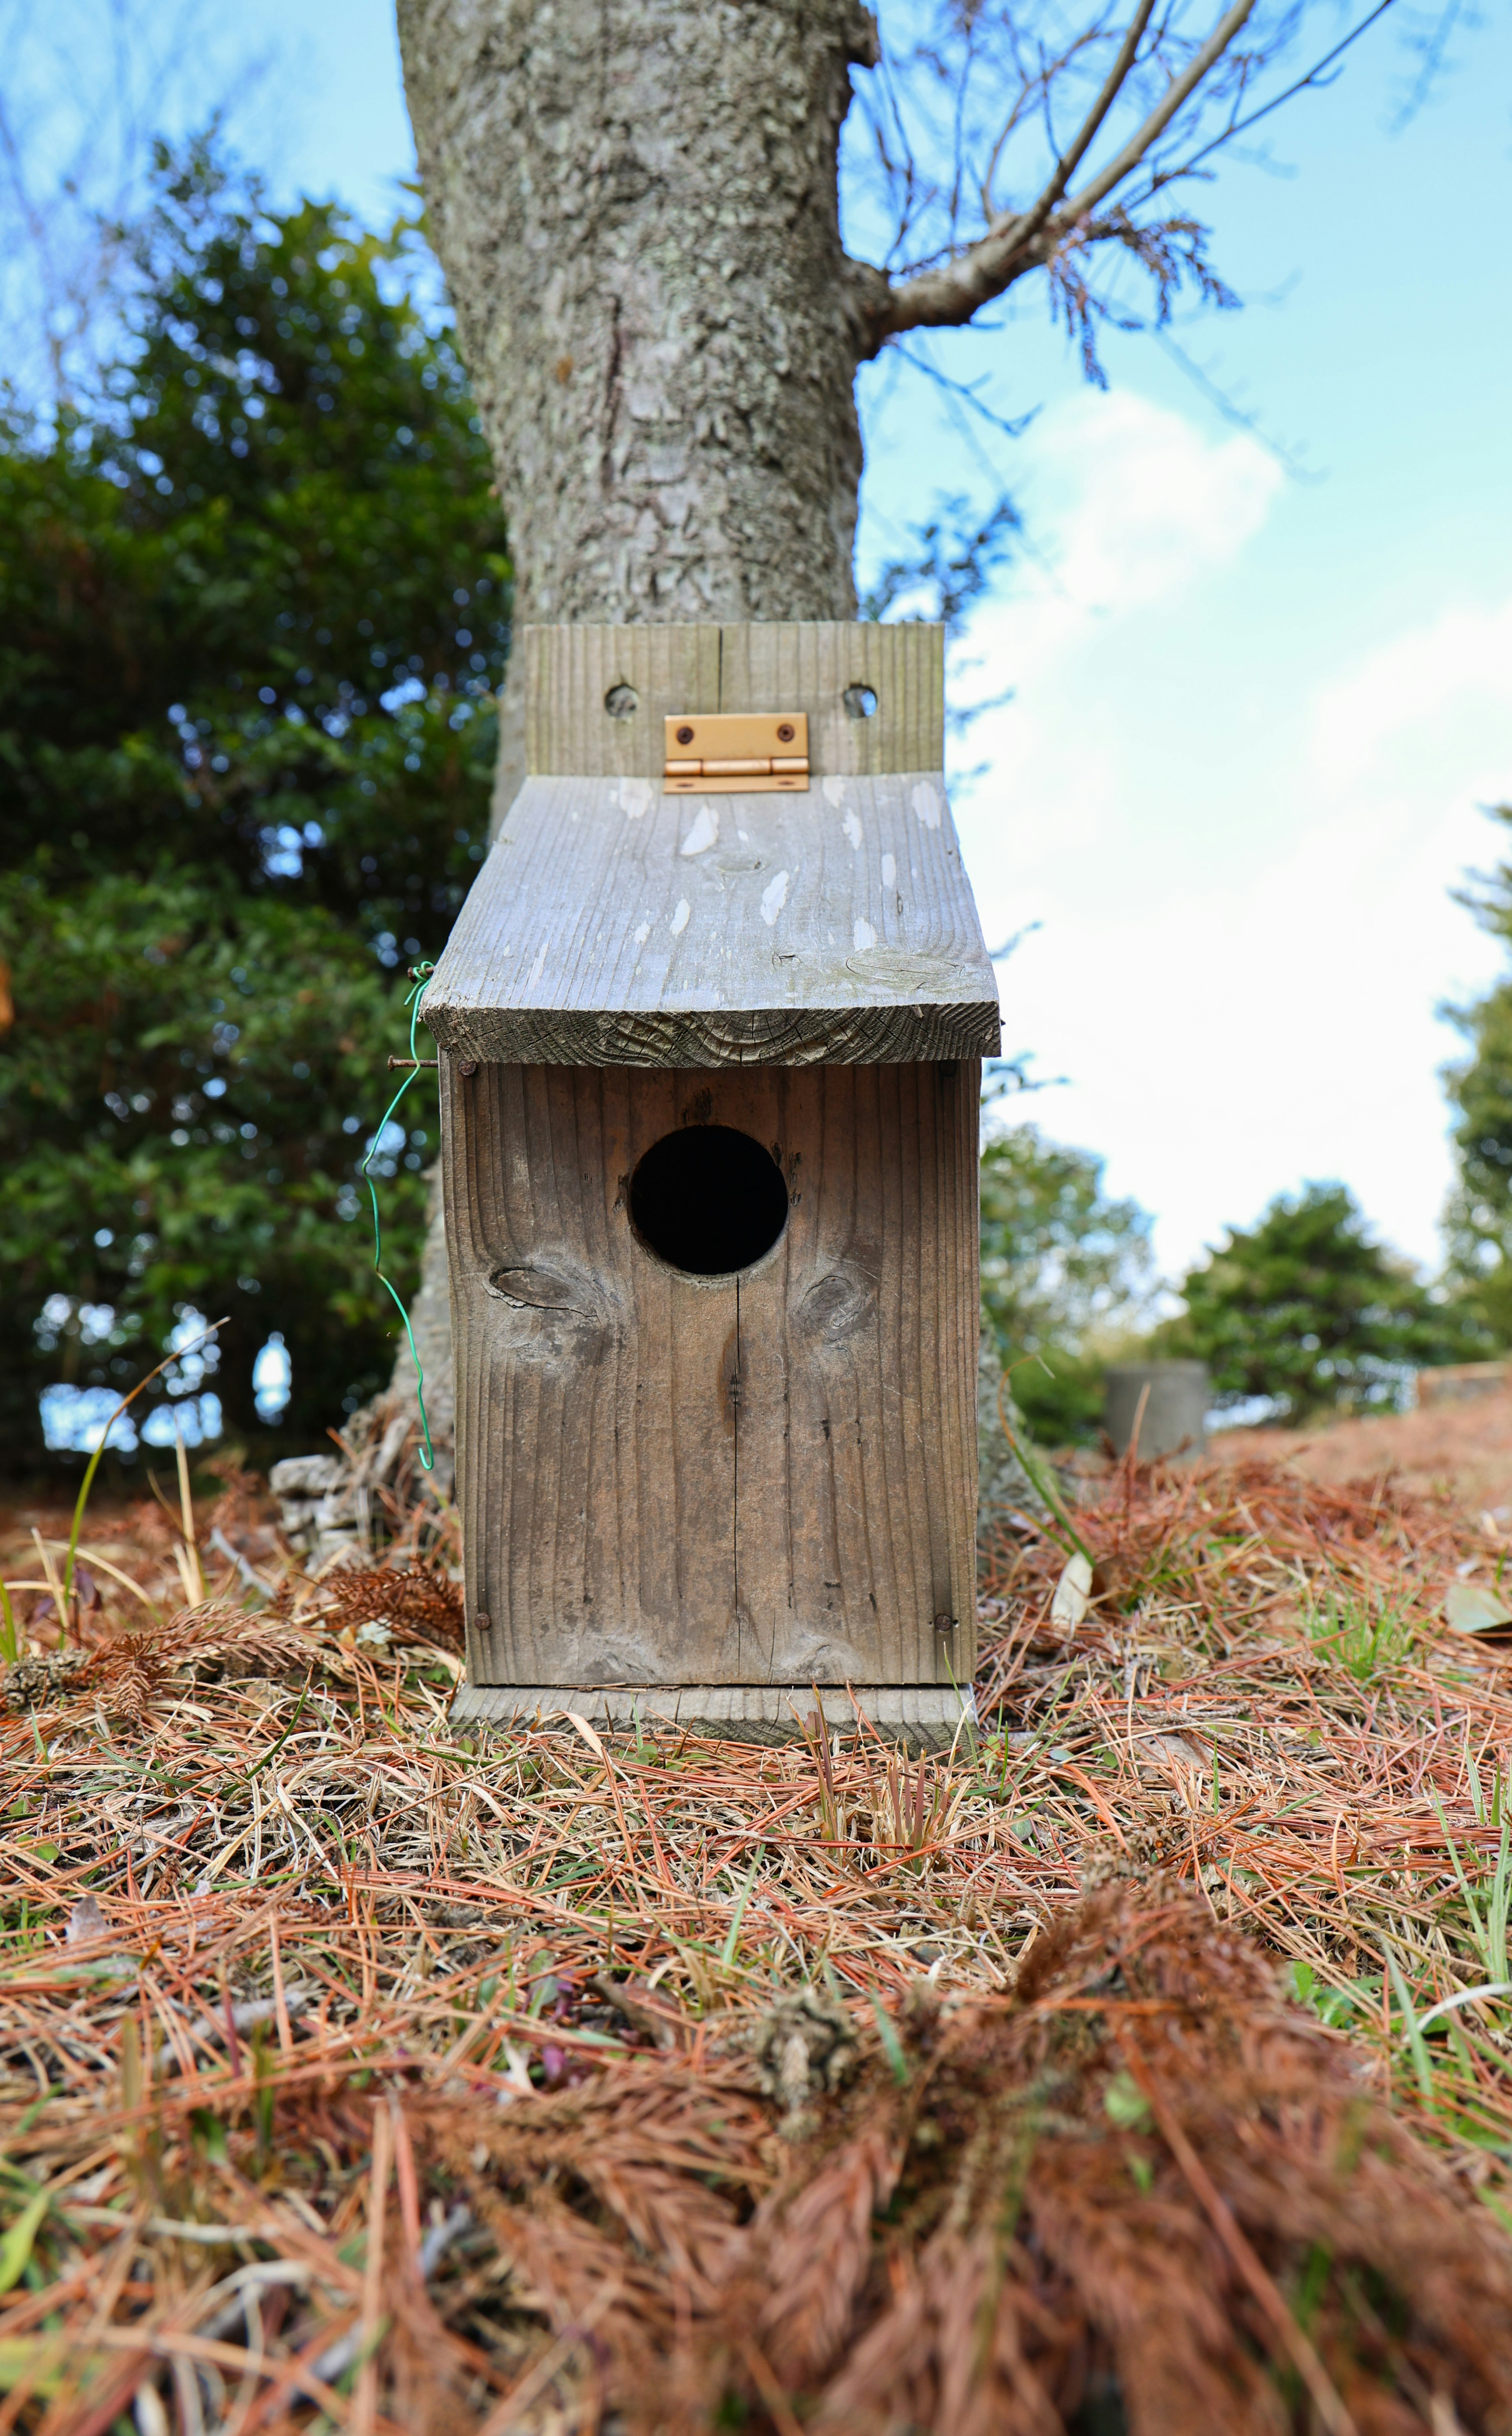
point(1301, 1315)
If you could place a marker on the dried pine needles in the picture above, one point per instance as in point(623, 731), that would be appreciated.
point(1144, 2066)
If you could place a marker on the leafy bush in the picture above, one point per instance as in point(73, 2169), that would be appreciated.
point(253, 610)
point(1066, 1277)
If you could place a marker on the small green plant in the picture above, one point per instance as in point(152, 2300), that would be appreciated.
point(1125, 2103)
point(1335, 2006)
point(1367, 1637)
point(1487, 1929)
point(817, 1738)
point(912, 1807)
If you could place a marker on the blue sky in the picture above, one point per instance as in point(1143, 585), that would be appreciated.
point(1255, 712)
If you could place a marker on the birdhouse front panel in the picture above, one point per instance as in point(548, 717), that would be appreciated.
point(711, 1026)
point(716, 1359)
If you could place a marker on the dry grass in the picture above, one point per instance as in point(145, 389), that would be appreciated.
point(354, 2076)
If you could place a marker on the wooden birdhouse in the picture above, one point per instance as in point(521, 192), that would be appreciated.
point(710, 1030)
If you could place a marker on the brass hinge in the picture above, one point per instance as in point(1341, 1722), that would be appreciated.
point(737, 752)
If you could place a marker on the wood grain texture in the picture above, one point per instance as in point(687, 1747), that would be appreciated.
point(570, 671)
point(751, 1480)
point(612, 925)
point(921, 1716)
point(810, 667)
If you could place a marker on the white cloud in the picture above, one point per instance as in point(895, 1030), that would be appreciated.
point(1240, 845)
point(1143, 502)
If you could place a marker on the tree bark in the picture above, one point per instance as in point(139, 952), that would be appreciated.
point(635, 205)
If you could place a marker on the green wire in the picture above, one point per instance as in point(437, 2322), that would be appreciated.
point(419, 975)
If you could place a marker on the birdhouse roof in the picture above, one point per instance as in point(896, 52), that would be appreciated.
point(615, 923)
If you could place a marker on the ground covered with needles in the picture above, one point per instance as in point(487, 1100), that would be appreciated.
point(1143, 2066)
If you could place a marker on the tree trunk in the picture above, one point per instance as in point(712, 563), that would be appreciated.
point(635, 205)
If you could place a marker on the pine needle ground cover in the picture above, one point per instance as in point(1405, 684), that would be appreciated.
point(1144, 2066)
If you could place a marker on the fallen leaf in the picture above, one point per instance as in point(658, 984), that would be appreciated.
point(1473, 1606)
point(86, 1921)
point(1072, 1593)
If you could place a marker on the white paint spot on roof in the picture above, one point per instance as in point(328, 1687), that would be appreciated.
point(864, 935)
point(538, 967)
point(927, 805)
point(634, 797)
point(704, 833)
point(834, 790)
point(851, 825)
point(773, 897)
point(680, 917)
point(889, 871)
point(643, 934)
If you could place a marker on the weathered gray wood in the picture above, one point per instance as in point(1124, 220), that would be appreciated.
point(570, 671)
point(811, 666)
point(754, 1480)
point(917, 1715)
point(612, 925)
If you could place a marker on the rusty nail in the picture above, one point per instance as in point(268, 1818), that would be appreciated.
point(943, 1624)
point(483, 1621)
point(467, 1068)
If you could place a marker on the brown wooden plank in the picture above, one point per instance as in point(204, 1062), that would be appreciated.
point(570, 671)
point(920, 1716)
point(809, 668)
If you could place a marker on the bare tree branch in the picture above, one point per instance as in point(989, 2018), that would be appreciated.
point(1303, 84)
point(1172, 134)
point(1146, 137)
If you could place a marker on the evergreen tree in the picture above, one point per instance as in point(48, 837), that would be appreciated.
point(254, 611)
point(1307, 1310)
point(1478, 1222)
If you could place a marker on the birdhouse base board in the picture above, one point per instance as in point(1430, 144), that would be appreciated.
point(925, 1716)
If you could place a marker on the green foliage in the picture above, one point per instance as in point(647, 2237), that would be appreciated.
point(159, 1095)
point(1307, 1310)
point(1478, 1222)
point(253, 608)
point(1066, 1277)
point(1367, 1633)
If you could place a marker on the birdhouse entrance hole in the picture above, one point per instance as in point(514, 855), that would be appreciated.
point(709, 1200)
